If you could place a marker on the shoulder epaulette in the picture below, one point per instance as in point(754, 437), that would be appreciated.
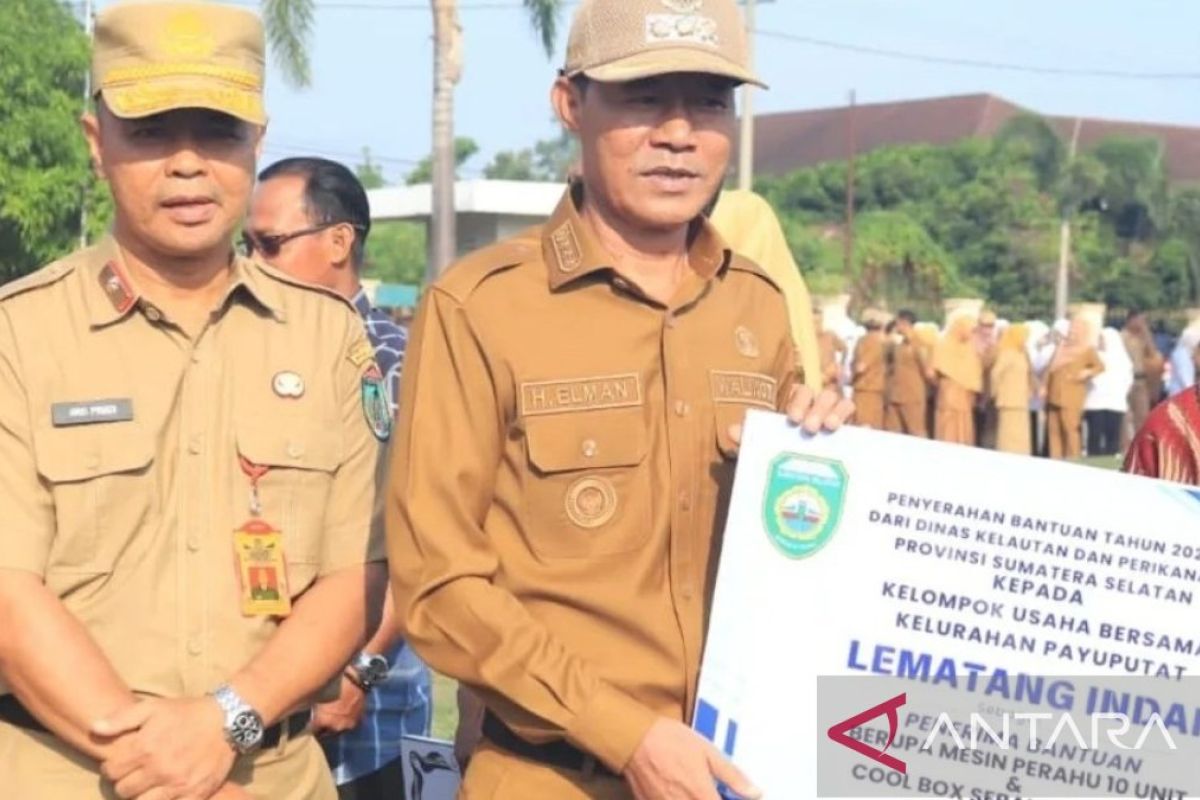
point(283, 277)
point(743, 264)
point(51, 273)
point(465, 275)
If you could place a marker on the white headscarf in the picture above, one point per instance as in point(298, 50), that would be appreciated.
point(1109, 391)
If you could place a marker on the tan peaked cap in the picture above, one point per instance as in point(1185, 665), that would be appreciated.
point(151, 57)
point(613, 41)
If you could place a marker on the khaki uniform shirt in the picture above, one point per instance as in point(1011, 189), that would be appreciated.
point(562, 468)
point(870, 367)
point(829, 346)
point(906, 382)
point(1064, 387)
point(130, 519)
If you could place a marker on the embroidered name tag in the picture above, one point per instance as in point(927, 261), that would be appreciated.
point(581, 394)
point(743, 387)
point(90, 412)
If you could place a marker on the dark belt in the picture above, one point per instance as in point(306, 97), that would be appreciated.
point(14, 713)
point(554, 754)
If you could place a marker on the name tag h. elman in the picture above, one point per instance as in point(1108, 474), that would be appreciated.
point(580, 394)
point(91, 412)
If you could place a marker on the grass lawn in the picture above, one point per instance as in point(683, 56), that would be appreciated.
point(1103, 462)
point(445, 709)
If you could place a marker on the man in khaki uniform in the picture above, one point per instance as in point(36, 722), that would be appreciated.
point(1147, 370)
point(908, 381)
point(188, 442)
point(869, 371)
point(830, 349)
point(569, 419)
point(986, 337)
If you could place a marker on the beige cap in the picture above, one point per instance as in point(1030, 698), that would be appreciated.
point(614, 41)
point(876, 316)
point(151, 57)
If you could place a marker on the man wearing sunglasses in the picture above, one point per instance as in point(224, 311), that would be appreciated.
point(188, 446)
point(310, 218)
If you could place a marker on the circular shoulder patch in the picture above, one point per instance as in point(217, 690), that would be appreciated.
point(591, 501)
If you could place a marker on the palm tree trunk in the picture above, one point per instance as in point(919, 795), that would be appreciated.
point(447, 68)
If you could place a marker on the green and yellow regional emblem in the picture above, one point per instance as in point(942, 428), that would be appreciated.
point(803, 503)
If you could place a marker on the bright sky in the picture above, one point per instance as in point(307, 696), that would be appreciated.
point(372, 64)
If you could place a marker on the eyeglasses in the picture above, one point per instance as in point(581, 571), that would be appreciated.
point(270, 244)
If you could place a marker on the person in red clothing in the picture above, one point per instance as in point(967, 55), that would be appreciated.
point(1168, 445)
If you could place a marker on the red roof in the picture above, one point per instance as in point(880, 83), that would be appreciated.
point(792, 140)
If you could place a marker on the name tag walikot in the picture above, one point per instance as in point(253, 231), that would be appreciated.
point(89, 412)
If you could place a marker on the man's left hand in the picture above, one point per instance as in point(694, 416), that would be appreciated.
point(826, 411)
point(176, 748)
point(343, 714)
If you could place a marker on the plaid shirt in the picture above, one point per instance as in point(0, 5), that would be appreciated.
point(402, 703)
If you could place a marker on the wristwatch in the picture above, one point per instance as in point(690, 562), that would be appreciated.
point(243, 725)
point(368, 670)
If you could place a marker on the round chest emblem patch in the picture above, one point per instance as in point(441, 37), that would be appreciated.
point(591, 502)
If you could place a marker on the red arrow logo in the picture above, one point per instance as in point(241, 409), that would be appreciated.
point(839, 733)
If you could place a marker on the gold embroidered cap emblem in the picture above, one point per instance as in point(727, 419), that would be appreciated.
point(746, 342)
point(187, 36)
point(591, 502)
point(683, 6)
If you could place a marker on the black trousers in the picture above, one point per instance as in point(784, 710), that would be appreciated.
point(386, 783)
point(1103, 432)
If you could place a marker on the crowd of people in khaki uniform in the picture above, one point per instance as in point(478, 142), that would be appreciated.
point(976, 382)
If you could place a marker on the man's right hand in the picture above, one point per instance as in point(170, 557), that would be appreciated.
point(673, 762)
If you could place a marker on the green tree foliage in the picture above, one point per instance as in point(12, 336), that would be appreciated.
point(369, 172)
point(43, 161)
point(464, 149)
point(547, 160)
point(983, 217)
point(396, 252)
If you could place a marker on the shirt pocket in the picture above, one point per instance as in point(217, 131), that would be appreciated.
point(588, 486)
point(105, 493)
point(301, 457)
point(733, 394)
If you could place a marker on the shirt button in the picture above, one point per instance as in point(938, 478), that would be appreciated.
point(681, 408)
point(671, 321)
point(194, 648)
point(685, 501)
point(195, 358)
point(589, 448)
point(153, 314)
point(93, 462)
point(194, 446)
point(295, 449)
point(193, 543)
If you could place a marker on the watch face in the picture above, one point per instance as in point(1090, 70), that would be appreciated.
point(377, 668)
point(246, 731)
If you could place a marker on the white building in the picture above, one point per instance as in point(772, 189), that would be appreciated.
point(487, 210)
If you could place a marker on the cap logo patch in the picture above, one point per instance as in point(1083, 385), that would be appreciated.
point(187, 36)
point(690, 28)
point(683, 6)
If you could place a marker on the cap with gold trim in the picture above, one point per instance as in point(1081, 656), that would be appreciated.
point(613, 41)
point(151, 57)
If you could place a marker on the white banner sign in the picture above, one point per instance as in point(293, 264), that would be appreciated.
point(931, 566)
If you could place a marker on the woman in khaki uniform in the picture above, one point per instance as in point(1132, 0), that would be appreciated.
point(1011, 389)
point(959, 380)
point(1075, 363)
